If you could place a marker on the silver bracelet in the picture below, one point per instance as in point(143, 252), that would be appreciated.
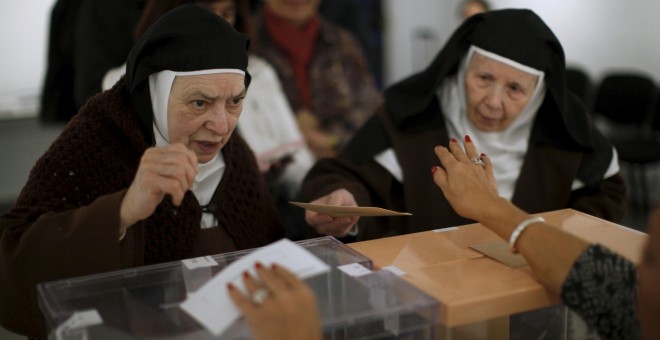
point(354, 230)
point(519, 229)
point(123, 234)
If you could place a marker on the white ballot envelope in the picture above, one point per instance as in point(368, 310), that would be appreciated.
point(211, 305)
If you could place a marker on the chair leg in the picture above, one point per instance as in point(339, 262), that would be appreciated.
point(639, 197)
point(645, 195)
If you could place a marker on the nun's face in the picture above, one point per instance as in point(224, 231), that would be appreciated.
point(203, 110)
point(496, 93)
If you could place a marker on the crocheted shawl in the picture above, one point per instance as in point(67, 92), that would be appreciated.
point(98, 153)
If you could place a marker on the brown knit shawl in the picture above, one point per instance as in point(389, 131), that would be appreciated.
point(98, 153)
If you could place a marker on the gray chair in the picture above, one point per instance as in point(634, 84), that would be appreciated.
point(579, 82)
point(626, 106)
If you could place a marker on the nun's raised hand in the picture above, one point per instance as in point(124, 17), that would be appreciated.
point(468, 185)
point(168, 170)
point(328, 225)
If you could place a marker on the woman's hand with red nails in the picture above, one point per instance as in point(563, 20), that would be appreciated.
point(288, 312)
point(468, 186)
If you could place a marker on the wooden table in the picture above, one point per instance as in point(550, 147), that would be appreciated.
point(472, 287)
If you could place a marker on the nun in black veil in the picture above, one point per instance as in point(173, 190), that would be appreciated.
point(147, 172)
point(499, 83)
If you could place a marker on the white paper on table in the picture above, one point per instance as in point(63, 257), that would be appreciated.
point(211, 305)
point(394, 270)
point(199, 262)
point(354, 269)
point(79, 319)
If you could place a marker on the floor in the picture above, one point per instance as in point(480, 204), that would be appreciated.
point(7, 335)
point(638, 210)
point(23, 141)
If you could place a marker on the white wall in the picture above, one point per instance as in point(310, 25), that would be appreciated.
point(597, 35)
point(23, 37)
point(603, 35)
point(405, 53)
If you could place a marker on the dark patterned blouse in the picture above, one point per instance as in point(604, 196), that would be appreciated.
point(602, 288)
point(344, 93)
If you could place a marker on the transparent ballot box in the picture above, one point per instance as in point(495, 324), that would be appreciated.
point(144, 303)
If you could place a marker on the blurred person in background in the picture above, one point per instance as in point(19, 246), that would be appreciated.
point(469, 8)
point(323, 70)
point(79, 54)
point(104, 37)
point(499, 82)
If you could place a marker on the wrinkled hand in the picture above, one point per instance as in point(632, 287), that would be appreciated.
point(168, 170)
point(328, 225)
point(466, 185)
point(288, 312)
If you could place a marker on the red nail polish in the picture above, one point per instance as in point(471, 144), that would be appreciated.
point(258, 265)
point(483, 155)
point(230, 286)
point(274, 266)
point(453, 140)
point(433, 170)
point(246, 275)
point(467, 139)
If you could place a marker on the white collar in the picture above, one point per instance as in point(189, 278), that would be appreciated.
point(210, 173)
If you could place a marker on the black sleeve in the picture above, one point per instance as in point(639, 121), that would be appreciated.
point(57, 104)
point(602, 288)
point(605, 199)
point(601, 197)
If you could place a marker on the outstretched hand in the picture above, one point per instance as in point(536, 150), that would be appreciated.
point(328, 225)
point(466, 184)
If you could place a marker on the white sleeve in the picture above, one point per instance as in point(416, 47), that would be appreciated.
point(112, 76)
point(387, 159)
point(612, 170)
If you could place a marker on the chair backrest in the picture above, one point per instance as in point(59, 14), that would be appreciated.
point(579, 82)
point(626, 98)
